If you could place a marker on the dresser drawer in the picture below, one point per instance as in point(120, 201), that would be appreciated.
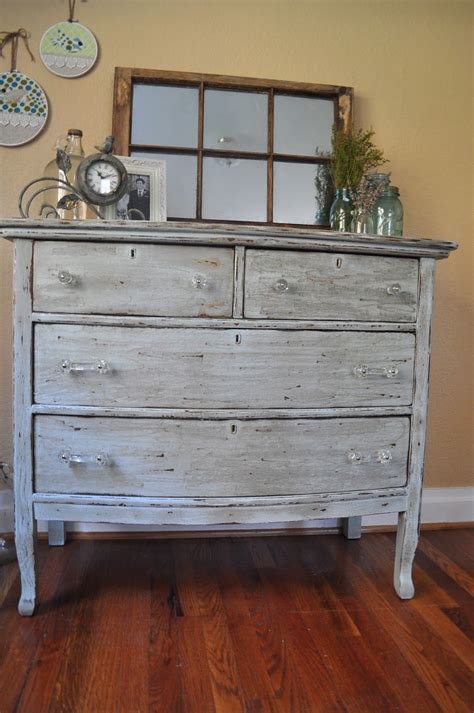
point(167, 457)
point(281, 284)
point(221, 368)
point(114, 278)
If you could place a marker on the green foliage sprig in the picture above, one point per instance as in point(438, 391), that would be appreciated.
point(353, 155)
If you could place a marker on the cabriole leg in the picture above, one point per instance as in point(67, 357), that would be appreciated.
point(56, 533)
point(407, 540)
point(25, 538)
point(352, 527)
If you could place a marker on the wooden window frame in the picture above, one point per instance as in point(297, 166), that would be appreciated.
point(127, 77)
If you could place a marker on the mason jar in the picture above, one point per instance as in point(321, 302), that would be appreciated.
point(387, 212)
point(340, 216)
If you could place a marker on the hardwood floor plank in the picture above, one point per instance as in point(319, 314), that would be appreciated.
point(195, 676)
point(458, 545)
point(445, 676)
point(254, 625)
point(451, 569)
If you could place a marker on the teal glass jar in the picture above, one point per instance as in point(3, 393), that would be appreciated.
point(387, 213)
point(340, 215)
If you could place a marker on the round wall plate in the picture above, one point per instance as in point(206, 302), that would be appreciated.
point(68, 49)
point(23, 108)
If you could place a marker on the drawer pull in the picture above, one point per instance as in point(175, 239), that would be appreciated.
point(65, 277)
point(383, 455)
point(281, 286)
point(394, 289)
point(100, 366)
point(362, 371)
point(200, 282)
point(69, 458)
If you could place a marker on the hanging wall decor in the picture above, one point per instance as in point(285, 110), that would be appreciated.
point(68, 48)
point(23, 103)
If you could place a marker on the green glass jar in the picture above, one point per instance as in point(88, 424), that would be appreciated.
point(387, 213)
point(340, 216)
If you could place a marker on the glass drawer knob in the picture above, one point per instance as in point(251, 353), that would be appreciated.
point(384, 455)
point(394, 289)
point(354, 457)
point(65, 277)
point(200, 282)
point(281, 286)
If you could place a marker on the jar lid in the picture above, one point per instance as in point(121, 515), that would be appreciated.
point(74, 132)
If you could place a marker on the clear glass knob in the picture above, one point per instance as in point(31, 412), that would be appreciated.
point(200, 282)
point(394, 289)
point(384, 455)
point(281, 286)
point(65, 277)
point(354, 457)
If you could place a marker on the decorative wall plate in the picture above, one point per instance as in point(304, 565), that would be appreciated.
point(23, 108)
point(68, 49)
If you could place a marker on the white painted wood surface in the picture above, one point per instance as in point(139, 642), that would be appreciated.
point(108, 278)
point(25, 525)
point(227, 458)
point(299, 437)
point(222, 368)
point(218, 515)
point(197, 322)
point(352, 527)
point(409, 520)
point(265, 236)
point(283, 284)
point(56, 533)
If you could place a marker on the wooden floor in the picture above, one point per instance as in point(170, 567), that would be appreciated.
point(289, 624)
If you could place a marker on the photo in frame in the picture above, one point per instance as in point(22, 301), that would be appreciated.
point(146, 192)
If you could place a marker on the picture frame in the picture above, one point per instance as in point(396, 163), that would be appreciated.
point(146, 193)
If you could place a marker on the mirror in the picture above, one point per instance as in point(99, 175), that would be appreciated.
point(234, 189)
point(236, 149)
point(303, 125)
point(181, 180)
point(165, 116)
point(235, 120)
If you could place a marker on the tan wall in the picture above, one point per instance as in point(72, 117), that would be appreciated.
point(411, 66)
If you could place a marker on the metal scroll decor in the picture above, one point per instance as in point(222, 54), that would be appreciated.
point(38, 193)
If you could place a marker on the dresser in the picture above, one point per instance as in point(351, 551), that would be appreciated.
point(194, 374)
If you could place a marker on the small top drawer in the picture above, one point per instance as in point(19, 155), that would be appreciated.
point(283, 284)
point(114, 278)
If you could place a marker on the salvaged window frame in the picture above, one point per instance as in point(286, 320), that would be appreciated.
point(126, 78)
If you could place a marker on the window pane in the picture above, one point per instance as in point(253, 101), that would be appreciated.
point(165, 116)
point(235, 120)
point(302, 193)
point(303, 125)
point(234, 189)
point(181, 182)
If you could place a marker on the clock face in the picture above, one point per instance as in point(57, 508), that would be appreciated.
point(103, 178)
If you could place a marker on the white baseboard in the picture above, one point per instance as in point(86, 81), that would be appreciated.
point(440, 505)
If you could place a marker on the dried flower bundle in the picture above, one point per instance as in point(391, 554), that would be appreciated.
point(366, 193)
point(353, 155)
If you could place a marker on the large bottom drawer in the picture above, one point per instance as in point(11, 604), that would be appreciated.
point(184, 457)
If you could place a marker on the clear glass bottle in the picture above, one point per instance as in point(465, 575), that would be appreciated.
point(76, 153)
point(387, 213)
point(340, 216)
point(362, 221)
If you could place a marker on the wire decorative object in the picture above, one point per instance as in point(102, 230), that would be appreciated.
point(45, 184)
point(37, 194)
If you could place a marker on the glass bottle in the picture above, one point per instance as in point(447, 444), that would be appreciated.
point(340, 215)
point(387, 213)
point(76, 153)
point(362, 221)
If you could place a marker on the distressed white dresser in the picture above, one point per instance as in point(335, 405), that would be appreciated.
point(200, 374)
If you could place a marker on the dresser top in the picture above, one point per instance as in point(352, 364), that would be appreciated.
point(182, 232)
